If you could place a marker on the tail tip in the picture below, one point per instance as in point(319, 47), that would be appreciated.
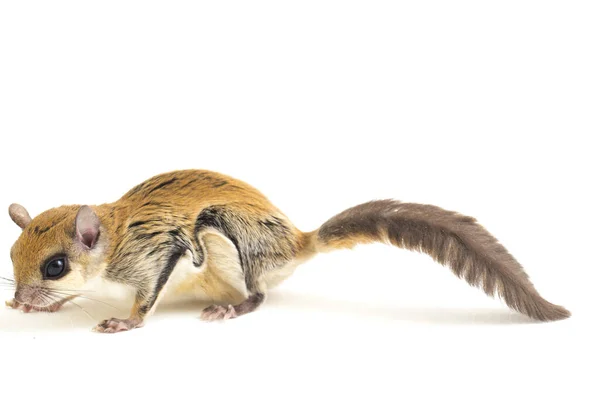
point(554, 313)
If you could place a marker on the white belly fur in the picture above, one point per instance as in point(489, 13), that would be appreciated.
point(220, 272)
point(277, 276)
point(221, 259)
point(184, 271)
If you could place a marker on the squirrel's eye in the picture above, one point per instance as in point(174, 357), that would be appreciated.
point(55, 268)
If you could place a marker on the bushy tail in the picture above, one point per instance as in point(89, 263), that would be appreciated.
point(451, 239)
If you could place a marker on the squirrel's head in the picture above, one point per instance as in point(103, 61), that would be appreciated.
point(56, 253)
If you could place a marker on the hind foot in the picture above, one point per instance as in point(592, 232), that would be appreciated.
point(218, 313)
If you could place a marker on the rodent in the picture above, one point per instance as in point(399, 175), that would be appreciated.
point(236, 245)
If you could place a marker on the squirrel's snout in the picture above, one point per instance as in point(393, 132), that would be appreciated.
point(25, 294)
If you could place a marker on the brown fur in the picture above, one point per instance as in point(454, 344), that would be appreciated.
point(449, 238)
point(240, 244)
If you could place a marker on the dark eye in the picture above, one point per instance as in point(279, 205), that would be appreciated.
point(55, 268)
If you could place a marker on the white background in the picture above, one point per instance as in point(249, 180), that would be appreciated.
point(488, 108)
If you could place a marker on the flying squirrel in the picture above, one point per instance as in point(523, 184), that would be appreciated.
point(207, 235)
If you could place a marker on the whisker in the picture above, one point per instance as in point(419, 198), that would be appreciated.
point(7, 279)
point(49, 298)
point(69, 299)
point(82, 309)
point(74, 290)
point(92, 299)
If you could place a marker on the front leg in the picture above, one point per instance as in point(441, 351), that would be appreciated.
point(135, 320)
point(147, 297)
point(145, 303)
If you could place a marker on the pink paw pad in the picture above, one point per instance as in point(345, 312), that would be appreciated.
point(114, 325)
point(218, 313)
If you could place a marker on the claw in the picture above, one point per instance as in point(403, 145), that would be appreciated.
point(218, 312)
point(115, 325)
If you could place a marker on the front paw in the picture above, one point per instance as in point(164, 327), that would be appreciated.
point(26, 308)
point(114, 325)
point(13, 304)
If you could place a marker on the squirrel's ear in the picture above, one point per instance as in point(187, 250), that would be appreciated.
point(19, 215)
point(87, 227)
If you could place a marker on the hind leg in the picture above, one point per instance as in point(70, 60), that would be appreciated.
point(255, 299)
point(263, 241)
point(224, 270)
